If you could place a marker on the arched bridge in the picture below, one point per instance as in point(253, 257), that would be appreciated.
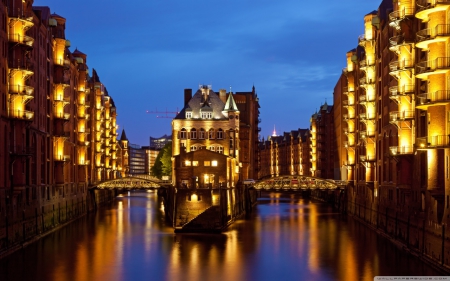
point(297, 183)
point(134, 182)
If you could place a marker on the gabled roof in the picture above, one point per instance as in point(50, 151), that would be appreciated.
point(198, 103)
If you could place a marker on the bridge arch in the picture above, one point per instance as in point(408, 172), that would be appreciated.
point(129, 183)
point(297, 183)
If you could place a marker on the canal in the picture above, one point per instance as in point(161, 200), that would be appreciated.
point(285, 238)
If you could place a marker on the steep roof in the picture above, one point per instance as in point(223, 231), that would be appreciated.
point(230, 105)
point(123, 137)
point(207, 101)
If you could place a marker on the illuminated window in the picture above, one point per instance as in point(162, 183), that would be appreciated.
point(206, 115)
point(211, 134)
point(193, 134)
point(183, 134)
point(207, 163)
point(187, 163)
point(188, 114)
point(194, 163)
point(201, 134)
point(214, 163)
point(220, 134)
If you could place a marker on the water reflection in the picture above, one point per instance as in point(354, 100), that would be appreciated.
point(286, 237)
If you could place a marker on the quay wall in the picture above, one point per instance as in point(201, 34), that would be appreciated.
point(25, 222)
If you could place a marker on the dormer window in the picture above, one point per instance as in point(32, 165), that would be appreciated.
point(207, 115)
point(188, 114)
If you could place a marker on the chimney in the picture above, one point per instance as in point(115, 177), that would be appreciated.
point(223, 95)
point(187, 96)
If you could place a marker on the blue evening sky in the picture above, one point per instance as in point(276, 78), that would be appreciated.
point(147, 52)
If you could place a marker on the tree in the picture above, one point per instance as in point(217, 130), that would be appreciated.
point(163, 162)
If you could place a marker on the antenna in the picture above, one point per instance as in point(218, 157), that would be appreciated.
point(166, 113)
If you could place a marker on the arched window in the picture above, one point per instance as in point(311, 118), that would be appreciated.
point(194, 134)
point(219, 134)
point(211, 134)
point(202, 134)
point(183, 134)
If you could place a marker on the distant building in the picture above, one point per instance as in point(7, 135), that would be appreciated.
point(159, 143)
point(288, 154)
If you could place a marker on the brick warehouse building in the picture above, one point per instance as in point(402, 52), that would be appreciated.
point(393, 143)
point(58, 123)
point(213, 136)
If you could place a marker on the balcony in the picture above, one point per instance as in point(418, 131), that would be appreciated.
point(363, 40)
point(17, 16)
point(366, 134)
point(425, 100)
point(439, 33)
point(398, 66)
point(367, 158)
point(364, 64)
point(21, 39)
point(397, 16)
point(399, 116)
point(24, 115)
point(396, 92)
point(401, 150)
point(397, 41)
point(426, 7)
point(440, 141)
point(25, 68)
point(364, 82)
point(347, 131)
point(364, 117)
point(364, 99)
point(62, 115)
point(84, 162)
point(436, 66)
point(62, 158)
point(19, 150)
point(346, 91)
point(62, 62)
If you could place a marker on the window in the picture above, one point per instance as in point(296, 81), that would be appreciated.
point(206, 115)
point(220, 149)
point(212, 148)
point(193, 147)
point(214, 163)
point(194, 163)
point(183, 134)
point(187, 163)
point(193, 134)
point(188, 114)
point(201, 134)
point(211, 134)
point(220, 134)
point(207, 163)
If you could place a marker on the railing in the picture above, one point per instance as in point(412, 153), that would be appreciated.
point(345, 102)
point(437, 96)
point(21, 114)
point(431, 33)
point(21, 65)
point(401, 115)
point(21, 150)
point(22, 39)
point(432, 65)
point(366, 134)
point(398, 40)
point(62, 62)
point(433, 141)
point(400, 90)
point(367, 62)
point(430, 4)
point(401, 14)
point(401, 150)
point(62, 115)
point(367, 158)
point(63, 158)
point(401, 65)
point(21, 89)
point(366, 116)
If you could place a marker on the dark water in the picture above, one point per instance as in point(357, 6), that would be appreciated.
point(286, 238)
